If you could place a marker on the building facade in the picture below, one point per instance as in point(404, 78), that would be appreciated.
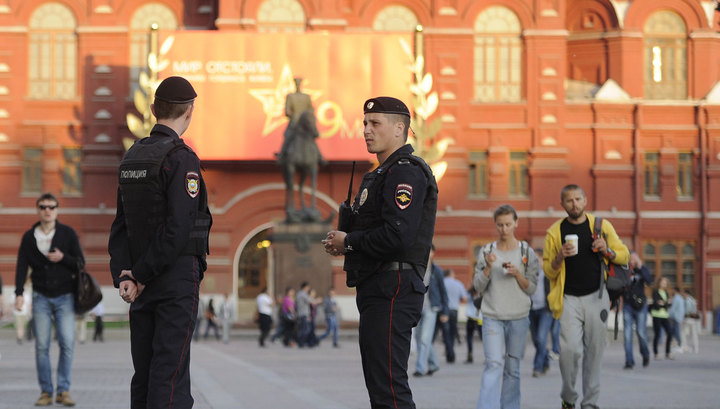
point(619, 97)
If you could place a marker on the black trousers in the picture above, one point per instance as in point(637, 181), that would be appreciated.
point(162, 321)
point(265, 324)
point(98, 328)
point(663, 323)
point(390, 303)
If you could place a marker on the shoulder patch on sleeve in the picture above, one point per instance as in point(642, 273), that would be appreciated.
point(403, 195)
point(192, 184)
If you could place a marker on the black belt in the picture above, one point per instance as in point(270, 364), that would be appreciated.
point(393, 265)
point(400, 265)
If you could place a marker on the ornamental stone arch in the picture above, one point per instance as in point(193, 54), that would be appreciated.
point(395, 18)
point(281, 16)
point(251, 8)
point(370, 11)
point(691, 12)
point(241, 221)
point(26, 9)
point(522, 11)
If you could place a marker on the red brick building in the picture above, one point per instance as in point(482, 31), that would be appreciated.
point(620, 97)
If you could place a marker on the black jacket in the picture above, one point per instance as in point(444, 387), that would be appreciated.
point(48, 278)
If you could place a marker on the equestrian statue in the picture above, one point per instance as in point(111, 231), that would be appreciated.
point(300, 154)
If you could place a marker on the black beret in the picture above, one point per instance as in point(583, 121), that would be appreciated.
point(175, 90)
point(386, 105)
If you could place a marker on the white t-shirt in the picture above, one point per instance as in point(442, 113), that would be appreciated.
point(44, 240)
point(264, 304)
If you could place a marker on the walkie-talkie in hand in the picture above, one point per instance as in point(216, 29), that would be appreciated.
point(345, 214)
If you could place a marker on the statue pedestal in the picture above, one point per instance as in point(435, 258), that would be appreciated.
point(298, 255)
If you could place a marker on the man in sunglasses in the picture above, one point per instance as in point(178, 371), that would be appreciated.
point(51, 250)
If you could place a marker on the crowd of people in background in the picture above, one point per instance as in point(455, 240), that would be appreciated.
point(297, 312)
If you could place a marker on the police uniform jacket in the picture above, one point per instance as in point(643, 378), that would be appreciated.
point(162, 210)
point(393, 217)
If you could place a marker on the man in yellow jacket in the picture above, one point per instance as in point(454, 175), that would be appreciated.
point(576, 296)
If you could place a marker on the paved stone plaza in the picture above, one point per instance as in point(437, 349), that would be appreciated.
point(240, 375)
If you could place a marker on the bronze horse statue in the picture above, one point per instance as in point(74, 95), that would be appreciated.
point(300, 154)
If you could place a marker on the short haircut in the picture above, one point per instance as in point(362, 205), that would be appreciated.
point(304, 284)
point(166, 110)
point(46, 196)
point(395, 118)
point(569, 188)
point(505, 209)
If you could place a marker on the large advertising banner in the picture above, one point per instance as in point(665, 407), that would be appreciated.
point(242, 80)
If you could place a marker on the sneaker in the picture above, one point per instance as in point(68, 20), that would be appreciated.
point(418, 374)
point(545, 369)
point(566, 405)
point(553, 355)
point(669, 356)
point(64, 399)
point(44, 400)
point(646, 361)
point(628, 366)
point(536, 373)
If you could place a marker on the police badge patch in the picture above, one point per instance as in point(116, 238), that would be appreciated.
point(363, 196)
point(192, 184)
point(403, 195)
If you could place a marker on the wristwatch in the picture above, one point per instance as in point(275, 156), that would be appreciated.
point(347, 245)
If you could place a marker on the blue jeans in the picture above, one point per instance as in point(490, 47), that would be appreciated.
point(540, 323)
point(426, 357)
point(332, 327)
point(61, 309)
point(631, 317)
point(504, 343)
point(555, 334)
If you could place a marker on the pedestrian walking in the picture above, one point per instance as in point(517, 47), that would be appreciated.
point(578, 297)
point(506, 275)
point(51, 251)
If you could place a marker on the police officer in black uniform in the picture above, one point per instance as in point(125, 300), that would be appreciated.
point(386, 250)
point(158, 244)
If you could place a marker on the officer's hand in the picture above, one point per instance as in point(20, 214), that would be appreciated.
point(55, 255)
point(128, 291)
point(127, 273)
point(19, 302)
point(334, 243)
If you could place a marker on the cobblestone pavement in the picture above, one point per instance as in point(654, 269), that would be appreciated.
point(239, 375)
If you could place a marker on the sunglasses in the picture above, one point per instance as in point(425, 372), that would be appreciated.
point(45, 207)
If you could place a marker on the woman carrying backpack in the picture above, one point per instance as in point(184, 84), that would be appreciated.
point(506, 275)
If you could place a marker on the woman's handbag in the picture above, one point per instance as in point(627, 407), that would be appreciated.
point(87, 292)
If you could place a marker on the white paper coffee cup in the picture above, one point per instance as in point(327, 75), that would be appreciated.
point(572, 238)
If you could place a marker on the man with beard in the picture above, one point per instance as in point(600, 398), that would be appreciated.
point(577, 293)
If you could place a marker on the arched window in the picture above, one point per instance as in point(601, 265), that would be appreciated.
point(665, 56)
point(52, 65)
point(395, 18)
point(281, 15)
point(498, 56)
point(143, 18)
